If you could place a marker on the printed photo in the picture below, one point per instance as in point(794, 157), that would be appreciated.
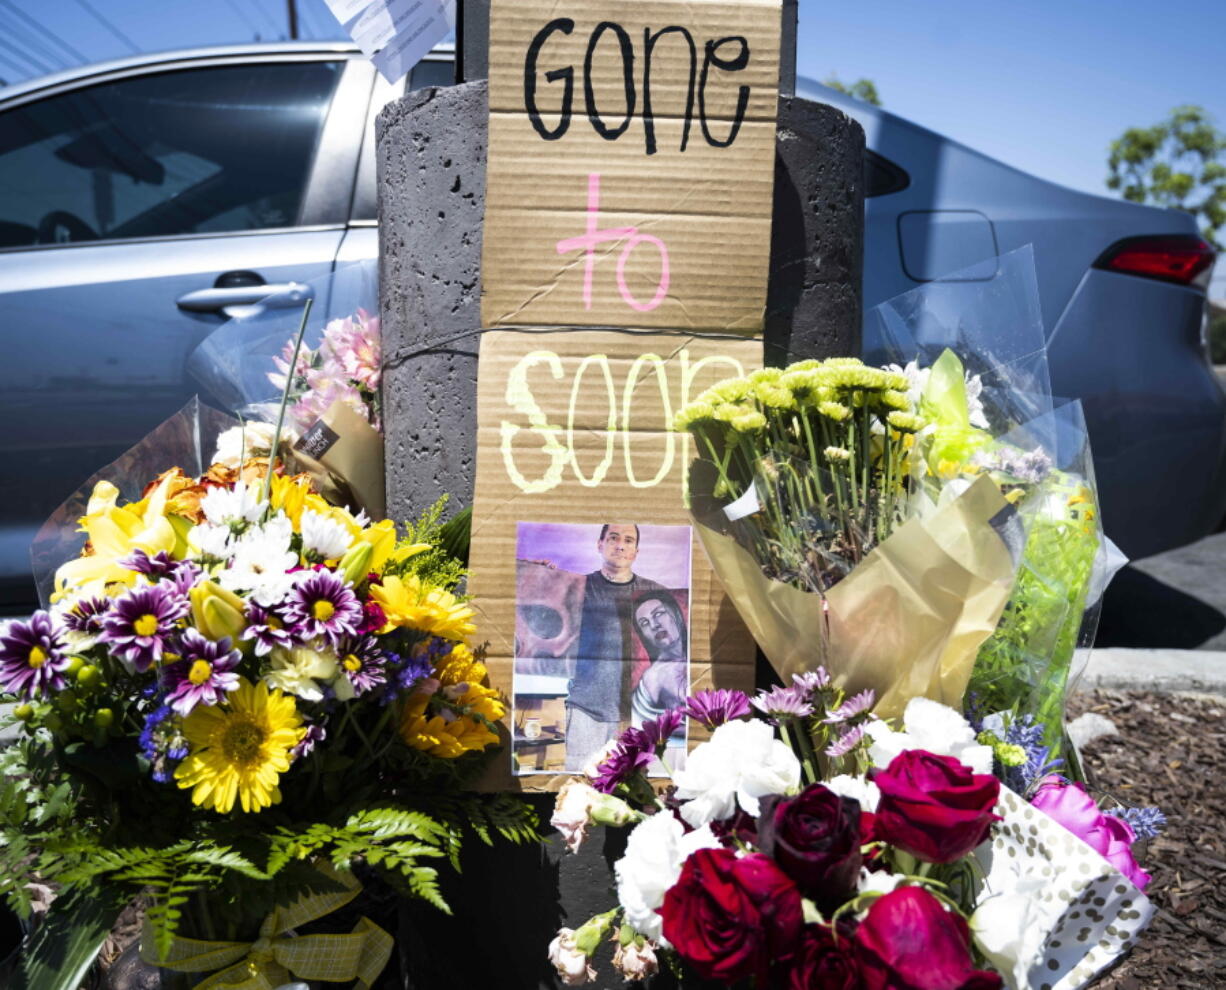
point(601, 638)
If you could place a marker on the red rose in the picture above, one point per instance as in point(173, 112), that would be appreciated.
point(933, 807)
point(815, 838)
point(729, 917)
point(820, 964)
point(908, 941)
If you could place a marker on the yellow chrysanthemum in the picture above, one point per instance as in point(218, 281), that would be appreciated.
point(460, 666)
point(240, 749)
point(439, 737)
point(406, 602)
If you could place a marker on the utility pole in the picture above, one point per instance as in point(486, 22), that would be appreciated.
point(293, 19)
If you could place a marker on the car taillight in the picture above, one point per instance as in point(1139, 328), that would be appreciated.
point(1182, 258)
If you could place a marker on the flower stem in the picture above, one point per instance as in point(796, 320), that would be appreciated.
point(289, 381)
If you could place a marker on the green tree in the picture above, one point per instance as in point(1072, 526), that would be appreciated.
point(864, 90)
point(1180, 162)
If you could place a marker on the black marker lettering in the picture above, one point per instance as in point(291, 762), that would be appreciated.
point(566, 26)
point(649, 121)
point(728, 65)
point(627, 52)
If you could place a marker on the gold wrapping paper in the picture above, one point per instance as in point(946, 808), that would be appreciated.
point(907, 621)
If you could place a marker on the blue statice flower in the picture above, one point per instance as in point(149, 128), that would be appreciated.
point(1147, 822)
point(162, 742)
point(1022, 731)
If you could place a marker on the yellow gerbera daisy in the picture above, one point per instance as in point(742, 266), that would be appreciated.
point(240, 748)
point(406, 602)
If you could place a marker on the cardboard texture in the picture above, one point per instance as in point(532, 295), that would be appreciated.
point(1080, 913)
point(343, 454)
point(573, 428)
point(631, 163)
point(908, 621)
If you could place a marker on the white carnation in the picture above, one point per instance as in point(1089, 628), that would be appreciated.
point(299, 671)
point(931, 726)
point(742, 762)
point(210, 541)
point(655, 852)
point(860, 788)
point(255, 437)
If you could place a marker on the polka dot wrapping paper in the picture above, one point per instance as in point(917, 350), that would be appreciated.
point(1075, 913)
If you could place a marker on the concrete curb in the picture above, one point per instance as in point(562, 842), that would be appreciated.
point(1167, 671)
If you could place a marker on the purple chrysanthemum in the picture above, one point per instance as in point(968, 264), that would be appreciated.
point(141, 621)
point(784, 702)
point(364, 664)
point(811, 680)
point(157, 566)
point(1147, 822)
point(625, 760)
point(266, 626)
point(655, 732)
point(848, 741)
point(857, 704)
point(712, 708)
point(321, 604)
point(32, 660)
point(162, 742)
point(86, 615)
point(315, 734)
point(182, 577)
point(204, 674)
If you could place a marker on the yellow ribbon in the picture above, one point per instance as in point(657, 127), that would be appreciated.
point(269, 961)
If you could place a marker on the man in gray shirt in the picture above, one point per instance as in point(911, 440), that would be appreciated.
point(598, 699)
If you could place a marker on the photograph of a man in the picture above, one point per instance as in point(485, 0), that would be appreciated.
point(626, 641)
point(595, 704)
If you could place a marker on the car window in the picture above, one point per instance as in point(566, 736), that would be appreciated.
point(226, 148)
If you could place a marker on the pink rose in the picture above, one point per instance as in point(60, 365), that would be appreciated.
point(1110, 837)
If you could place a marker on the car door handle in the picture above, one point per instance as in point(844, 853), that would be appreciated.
point(276, 296)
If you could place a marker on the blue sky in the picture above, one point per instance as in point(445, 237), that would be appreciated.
point(1042, 85)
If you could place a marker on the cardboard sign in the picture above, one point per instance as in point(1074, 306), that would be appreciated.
point(631, 163)
point(573, 436)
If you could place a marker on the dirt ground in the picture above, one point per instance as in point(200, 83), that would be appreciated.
point(1170, 751)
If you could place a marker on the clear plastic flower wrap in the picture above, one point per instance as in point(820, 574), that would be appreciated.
point(1000, 418)
point(881, 522)
point(333, 415)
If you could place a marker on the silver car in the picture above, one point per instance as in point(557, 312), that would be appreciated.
point(142, 200)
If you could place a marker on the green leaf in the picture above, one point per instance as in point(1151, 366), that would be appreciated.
point(64, 946)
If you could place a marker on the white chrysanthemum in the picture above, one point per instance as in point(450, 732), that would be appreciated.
point(931, 726)
point(741, 762)
point(256, 437)
point(655, 852)
point(206, 540)
point(298, 671)
point(223, 506)
point(324, 535)
point(860, 788)
point(261, 562)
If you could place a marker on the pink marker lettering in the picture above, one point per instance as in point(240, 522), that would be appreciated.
point(595, 236)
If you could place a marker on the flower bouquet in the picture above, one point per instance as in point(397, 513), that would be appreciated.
point(329, 371)
point(238, 695)
point(816, 846)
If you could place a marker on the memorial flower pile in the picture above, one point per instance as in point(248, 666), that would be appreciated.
point(809, 843)
point(235, 677)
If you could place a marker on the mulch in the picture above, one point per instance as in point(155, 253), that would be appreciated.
point(1170, 752)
